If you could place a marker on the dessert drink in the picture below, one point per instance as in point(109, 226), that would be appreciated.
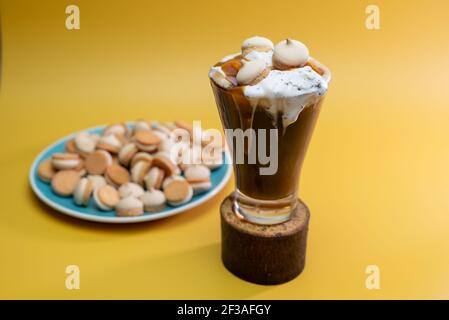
point(277, 89)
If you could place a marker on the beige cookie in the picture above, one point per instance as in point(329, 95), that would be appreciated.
point(97, 162)
point(139, 171)
point(146, 141)
point(141, 156)
point(129, 207)
point(153, 200)
point(45, 171)
point(65, 161)
point(83, 191)
point(163, 162)
point(154, 178)
point(290, 54)
point(127, 153)
point(177, 191)
point(116, 175)
point(116, 129)
point(111, 143)
point(64, 182)
point(106, 198)
point(256, 43)
point(70, 146)
point(252, 72)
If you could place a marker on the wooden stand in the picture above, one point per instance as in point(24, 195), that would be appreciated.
point(264, 254)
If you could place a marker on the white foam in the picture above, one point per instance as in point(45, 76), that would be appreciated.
point(287, 91)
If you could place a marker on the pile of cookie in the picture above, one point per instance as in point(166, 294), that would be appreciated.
point(130, 169)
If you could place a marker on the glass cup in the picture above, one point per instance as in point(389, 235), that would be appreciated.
point(267, 198)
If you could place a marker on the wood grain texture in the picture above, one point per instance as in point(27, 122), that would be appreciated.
point(264, 254)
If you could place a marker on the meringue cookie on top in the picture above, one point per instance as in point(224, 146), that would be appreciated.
point(257, 43)
point(252, 72)
point(290, 54)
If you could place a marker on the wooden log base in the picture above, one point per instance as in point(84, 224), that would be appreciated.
point(264, 254)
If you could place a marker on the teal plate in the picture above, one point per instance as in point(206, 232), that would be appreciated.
point(219, 178)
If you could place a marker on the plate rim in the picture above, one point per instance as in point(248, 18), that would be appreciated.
point(119, 220)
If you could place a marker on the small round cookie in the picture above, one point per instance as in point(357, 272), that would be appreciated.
point(166, 143)
point(162, 161)
point(65, 161)
point(116, 175)
point(106, 198)
point(45, 170)
point(163, 127)
point(161, 136)
point(130, 189)
point(213, 139)
point(141, 156)
point(154, 178)
point(83, 191)
point(84, 143)
point(97, 162)
point(94, 137)
point(64, 182)
point(177, 191)
point(97, 181)
point(129, 207)
point(252, 72)
point(81, 168)
point(146, 141)
point(189, 157)
point(70, 146)
point(213, 159)
point(116, 129)
point(221, 79)
point(110, 143)
point(256, 43)
point(142, 125)
point(184, 125)
point(290, 54)
point(198, 177)
point(127, 153)
point(139, 171)
point(153, 200)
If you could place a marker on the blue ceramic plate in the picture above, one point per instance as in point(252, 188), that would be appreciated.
point(219, 178)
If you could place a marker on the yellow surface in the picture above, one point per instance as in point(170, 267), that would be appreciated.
point(375, 178)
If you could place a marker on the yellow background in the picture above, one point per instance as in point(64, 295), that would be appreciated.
point(376, 176)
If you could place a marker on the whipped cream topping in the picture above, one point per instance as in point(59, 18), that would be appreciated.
point(287, 91)
point(290, 85)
